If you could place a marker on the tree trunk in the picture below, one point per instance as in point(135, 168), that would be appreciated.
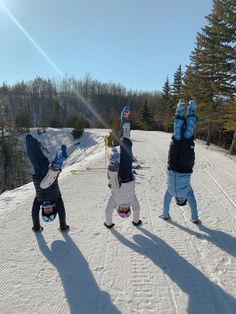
point(232, 150)
point(220, 138)
point(208, 140)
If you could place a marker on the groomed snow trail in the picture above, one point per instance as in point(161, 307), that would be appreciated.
point(161, 267)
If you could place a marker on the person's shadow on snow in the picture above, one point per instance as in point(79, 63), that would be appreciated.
point(81, 290)
point(204, 295)
point(221, 239)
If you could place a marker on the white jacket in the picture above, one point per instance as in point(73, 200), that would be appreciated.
point(124, 194)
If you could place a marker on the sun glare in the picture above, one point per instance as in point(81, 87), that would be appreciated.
point(48, 59)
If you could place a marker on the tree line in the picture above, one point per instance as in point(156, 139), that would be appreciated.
point(209, 78)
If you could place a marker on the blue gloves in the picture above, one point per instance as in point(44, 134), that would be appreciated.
point(64, 153)
point(61, 156)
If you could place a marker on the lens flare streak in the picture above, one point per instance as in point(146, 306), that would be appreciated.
point(46, 57)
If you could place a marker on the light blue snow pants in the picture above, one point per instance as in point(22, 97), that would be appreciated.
point(179, 185)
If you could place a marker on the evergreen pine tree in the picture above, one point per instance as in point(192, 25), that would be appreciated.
point(211, 76)
point(177, 86)
point(164, 109)
point(24, 118)
point(55, 120)
point(146, 117)
point(230, 124)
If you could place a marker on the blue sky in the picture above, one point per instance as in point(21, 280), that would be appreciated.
point(137, 43)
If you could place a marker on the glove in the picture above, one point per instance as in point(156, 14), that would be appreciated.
point(64, 153)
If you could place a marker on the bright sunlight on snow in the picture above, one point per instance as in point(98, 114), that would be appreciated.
point(160, 267)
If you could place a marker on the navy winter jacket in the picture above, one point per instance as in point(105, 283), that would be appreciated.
point(181, 155)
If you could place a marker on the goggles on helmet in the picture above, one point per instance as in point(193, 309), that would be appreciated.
point(124, 211)
point(48, 212)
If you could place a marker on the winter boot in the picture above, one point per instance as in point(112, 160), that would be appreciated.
point(124, 116)
point(180, 108)
point(125, 122)
point(60, 158)
point(191, 108)
point(191, 120)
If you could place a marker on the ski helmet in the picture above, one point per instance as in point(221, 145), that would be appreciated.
point(49, 212)
point(124, 210)
point(181, 201)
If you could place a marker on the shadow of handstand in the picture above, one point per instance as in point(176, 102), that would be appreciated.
point(221, 239)
point(81, 290)
point(204, 295)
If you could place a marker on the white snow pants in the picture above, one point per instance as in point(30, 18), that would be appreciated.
point(111, 205)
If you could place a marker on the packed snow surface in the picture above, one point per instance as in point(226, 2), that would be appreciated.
point(161, 267)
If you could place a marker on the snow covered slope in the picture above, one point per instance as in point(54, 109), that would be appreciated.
point(78, 149)
point(161, 267)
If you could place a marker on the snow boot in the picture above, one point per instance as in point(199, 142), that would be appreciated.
point(179, 120)
point(192, 105)
point(180, 108)
point(191, 120)
point(124, 116)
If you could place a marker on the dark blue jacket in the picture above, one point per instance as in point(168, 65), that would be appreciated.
point(181, 155)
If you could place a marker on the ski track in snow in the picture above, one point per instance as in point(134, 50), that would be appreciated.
point(160, 267)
